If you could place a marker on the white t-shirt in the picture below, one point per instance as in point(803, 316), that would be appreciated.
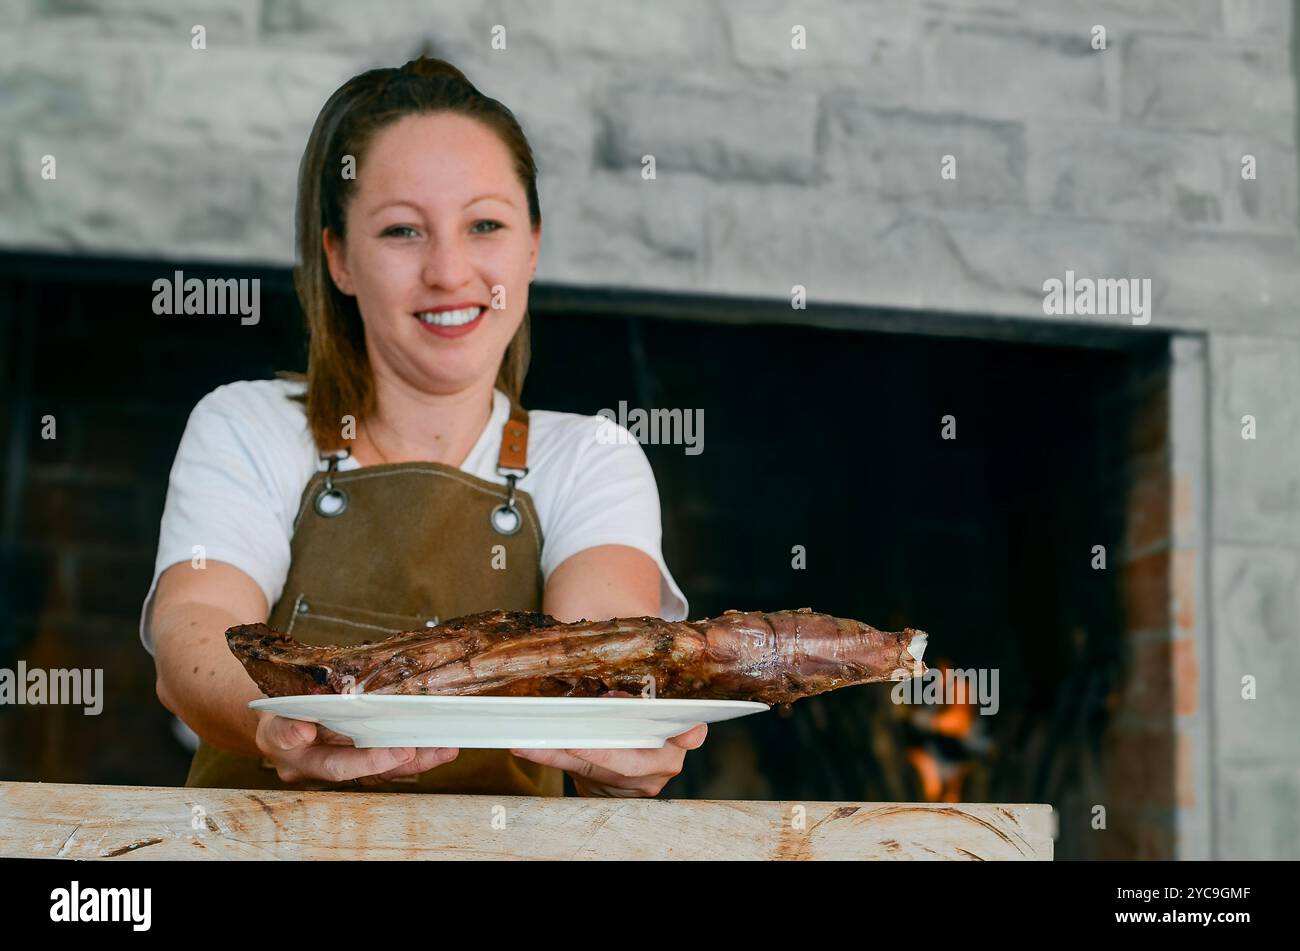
point(247, 454)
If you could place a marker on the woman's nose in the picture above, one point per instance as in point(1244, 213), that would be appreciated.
point(446, 263)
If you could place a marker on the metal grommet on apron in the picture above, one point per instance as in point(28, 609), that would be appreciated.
point(512, 462)
point(332, 500)
point(505, 518)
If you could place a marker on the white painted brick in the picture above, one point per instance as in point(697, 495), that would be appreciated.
point(1268, 203)
point(1256, 481)
point(1241, 283)
point(674, 31)
point(53, 84)
point(556, 116)
point(14, 14)
point(1183, 83)
point(13, 192)
point(250, 99)
point(270, 236)
point(767, 185)
point(898, 154)
point(541, 32)
point(104, 184)
point(1257, 634)
point(392, 36)
point(975, 6)
point(1124, 173)
point(1121, 16)
point(611, 228)
point(226, 22)
point(861, 249)
point(1260, 814)
point(875, 46)
point(1006, 259)
point(842, 246)
point(1222, 282)
point(1009, 72)
point(759, 134)
point(1268, 21)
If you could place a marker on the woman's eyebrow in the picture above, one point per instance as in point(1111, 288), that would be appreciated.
point(491, 196)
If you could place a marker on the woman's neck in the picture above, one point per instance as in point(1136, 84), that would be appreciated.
point(411, 426)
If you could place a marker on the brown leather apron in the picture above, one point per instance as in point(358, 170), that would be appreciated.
point(396, 547)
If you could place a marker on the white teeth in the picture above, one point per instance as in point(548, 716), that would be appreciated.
point(451, 318)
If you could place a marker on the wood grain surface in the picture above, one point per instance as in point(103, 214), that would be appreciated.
point(53, 820)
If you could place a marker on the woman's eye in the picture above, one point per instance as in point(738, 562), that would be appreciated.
point(403, 231)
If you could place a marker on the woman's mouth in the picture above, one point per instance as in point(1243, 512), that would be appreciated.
point(452, 323)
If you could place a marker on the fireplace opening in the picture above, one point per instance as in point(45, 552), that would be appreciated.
point(1031, 545)
point(825, 441)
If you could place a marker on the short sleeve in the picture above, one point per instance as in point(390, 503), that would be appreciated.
point(611, 499)
point(223, 499)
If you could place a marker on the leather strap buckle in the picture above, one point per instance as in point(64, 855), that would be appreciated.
point(512, 462)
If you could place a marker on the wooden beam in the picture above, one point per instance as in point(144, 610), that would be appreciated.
point(53, 820)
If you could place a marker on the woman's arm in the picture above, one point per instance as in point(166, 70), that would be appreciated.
point(598, 583)
point(202, 682)
point(199, 679)
point(603, 582)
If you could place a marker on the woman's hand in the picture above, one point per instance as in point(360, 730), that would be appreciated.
point(607, 581)
point(621, 772)
point(302, 750)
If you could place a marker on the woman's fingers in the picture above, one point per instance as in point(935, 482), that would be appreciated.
point(628, 763)
point(286, 734)
point(637, 764)
point(622, 772)
point(692, 738)
point(340, 763)
point(567, 761)
point(426, 759)
point(301, 750)
point(325, 735)
point(643, 772)
point(305, 750)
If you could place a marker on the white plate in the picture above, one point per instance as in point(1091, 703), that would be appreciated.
point(506, 722)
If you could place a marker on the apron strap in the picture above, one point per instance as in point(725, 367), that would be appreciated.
point(513, 464)
point(514, 441)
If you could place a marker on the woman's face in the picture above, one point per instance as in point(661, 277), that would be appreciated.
point(439, 218)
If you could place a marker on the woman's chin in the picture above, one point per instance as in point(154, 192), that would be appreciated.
point(447, 377)
point(443, 366)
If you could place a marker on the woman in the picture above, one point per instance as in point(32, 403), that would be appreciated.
point(399, 482)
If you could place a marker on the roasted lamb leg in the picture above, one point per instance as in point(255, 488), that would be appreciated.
point(775, 657)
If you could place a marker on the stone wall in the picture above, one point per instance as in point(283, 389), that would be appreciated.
point(777, 167)
point(1255, 491)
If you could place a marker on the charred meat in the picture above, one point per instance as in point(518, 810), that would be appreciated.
point(774, 657)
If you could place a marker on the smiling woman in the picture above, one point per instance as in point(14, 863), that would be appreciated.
point(412, 182)
point(425, 221)
point(399, 481)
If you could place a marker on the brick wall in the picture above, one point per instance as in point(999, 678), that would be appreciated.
point(775, 166)
point(1155, 750)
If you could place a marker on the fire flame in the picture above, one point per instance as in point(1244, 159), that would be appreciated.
point(942, 782)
